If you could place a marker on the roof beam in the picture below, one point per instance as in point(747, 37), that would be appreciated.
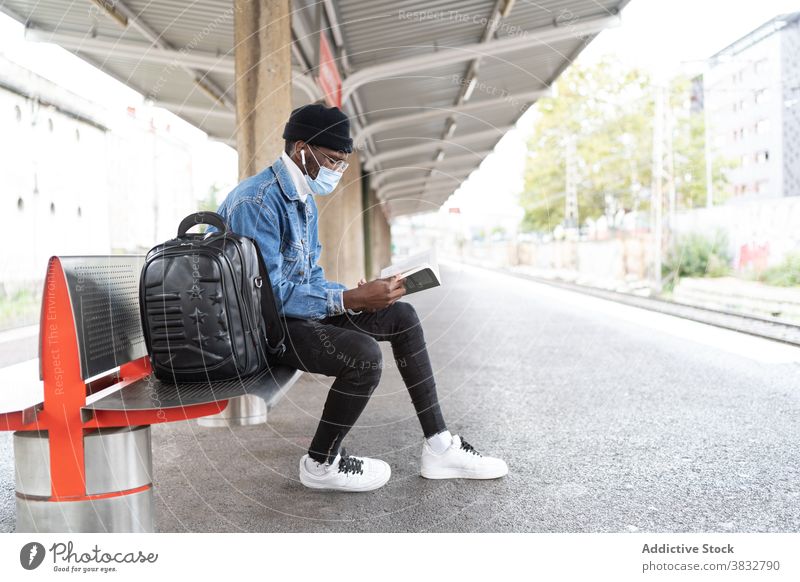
point(438, 58)
point(306, 84)
point(186, 109)
point(434, 143)
point(15, 15)
point(223, 64)
point(419, 193)
point(409, 207)
point(419, 190)
point(470, 159)
point(406, 120)
point(470, 79)
point(330, 12)
point(126, 17)
point(359, 119)
point(133, 50)
point(453, 174)
point(500, 10)
point(451, 179)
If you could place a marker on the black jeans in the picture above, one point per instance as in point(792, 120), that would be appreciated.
point(346, 346)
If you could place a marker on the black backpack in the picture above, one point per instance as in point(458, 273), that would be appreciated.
point(207, 308)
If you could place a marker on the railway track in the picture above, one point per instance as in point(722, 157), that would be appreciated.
point(763, 327)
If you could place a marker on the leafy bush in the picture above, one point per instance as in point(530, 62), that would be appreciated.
point(786, 274)
point(698, 255)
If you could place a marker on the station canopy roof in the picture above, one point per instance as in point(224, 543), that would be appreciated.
point(431, 85)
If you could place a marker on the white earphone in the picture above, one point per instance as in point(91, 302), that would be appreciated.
point(303, 156)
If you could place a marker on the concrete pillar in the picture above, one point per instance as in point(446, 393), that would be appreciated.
point(341, 228)
point(263, 66)
point(380, 235)
point(262, 37)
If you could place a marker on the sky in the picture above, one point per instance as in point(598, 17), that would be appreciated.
point(661, 36)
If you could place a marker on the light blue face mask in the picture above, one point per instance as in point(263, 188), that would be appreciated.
point(326, 180)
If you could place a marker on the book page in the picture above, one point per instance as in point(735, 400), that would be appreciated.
point(410, 263)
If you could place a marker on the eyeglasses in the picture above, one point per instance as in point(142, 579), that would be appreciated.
point(335, 165)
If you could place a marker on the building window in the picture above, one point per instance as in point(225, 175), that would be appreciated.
point(762, 157)
point(77, 134)
point(52, 208)
point(760, 66)
point(79, 212)
point(17, 112)
point(762, 127)
point(761, 96)
point(20, 204)
point(50, 125)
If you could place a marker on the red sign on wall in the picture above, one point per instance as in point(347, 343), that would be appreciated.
point(329, 79)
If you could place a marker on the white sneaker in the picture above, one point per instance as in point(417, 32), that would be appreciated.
point(460, 460)
point(345, 473)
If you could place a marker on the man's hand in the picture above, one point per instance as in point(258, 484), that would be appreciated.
point(374, 295)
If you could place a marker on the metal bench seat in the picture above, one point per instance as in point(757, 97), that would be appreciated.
point(82, 440)
point(143, 394)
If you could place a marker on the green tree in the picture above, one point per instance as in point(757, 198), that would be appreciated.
point(543, 197)
point(608, 110)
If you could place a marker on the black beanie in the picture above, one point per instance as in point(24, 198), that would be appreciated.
point(319, 125)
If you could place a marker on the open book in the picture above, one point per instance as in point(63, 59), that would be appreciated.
point(420, 271)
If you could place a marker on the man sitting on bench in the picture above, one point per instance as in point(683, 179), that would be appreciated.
point(331, 329)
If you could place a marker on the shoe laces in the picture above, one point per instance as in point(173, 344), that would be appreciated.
point(469, 448)
point(348, 464)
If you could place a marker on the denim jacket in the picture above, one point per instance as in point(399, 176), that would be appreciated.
point(267, 208)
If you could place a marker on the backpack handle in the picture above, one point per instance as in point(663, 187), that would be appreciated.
point(206, 217)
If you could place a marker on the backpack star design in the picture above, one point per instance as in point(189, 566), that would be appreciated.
point(198, 316)
point(196, 292)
